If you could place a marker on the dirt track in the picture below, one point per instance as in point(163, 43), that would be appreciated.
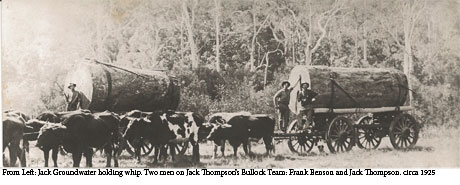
point(435, 148)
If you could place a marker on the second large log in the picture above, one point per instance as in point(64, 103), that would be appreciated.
point(342, 88)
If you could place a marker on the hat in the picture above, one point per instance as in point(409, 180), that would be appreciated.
point(71, 84)
point(305, 83)
point(285, 82)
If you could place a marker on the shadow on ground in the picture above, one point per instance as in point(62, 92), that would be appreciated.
point(412, 149)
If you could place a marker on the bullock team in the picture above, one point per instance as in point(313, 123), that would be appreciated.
point(80, 132)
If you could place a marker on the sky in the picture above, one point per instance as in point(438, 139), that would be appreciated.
point(38, 37)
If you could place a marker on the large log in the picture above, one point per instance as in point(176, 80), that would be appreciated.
point(362, 87)
point(108, 87)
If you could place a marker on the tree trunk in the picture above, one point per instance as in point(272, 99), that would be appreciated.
point(308, 52)
point(310, 35)
point(370, 87)
point(408, 24)
point(353, 62)
point(266, 68)
point(307, 55)
point(293, 49)
point(252, 59)
point(408, 64)
point(191, 41)
point(407, 46)
point(99, 36)
point(364, 46)
point(108, 87)
point(217, 3)
point(181, 44)
point(365, 63)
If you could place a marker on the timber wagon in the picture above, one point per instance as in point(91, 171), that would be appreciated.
point(379, 95)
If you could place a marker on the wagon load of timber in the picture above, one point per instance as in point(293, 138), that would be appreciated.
point(108, 87)
point(350, 89)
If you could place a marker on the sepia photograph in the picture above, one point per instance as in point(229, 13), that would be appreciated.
point(231, 84)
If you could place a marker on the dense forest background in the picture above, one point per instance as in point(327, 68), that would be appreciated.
point(231, 55)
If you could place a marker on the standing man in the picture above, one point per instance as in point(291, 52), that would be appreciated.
point(74, 101)
point(306, 97)
point(281, 102)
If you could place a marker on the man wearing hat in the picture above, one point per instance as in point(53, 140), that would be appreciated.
point(281, 102)
point(306, 97)
point(73, 102)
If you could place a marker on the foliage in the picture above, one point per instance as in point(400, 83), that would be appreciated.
point(234, 95)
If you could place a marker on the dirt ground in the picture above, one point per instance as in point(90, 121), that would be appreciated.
point(437, 148)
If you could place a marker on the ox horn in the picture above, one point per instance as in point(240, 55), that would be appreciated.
point(226, 125)
point(147, 120)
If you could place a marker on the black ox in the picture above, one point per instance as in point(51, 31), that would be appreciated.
point(51, 121)
point(13, 123)
point(239, 128)
point(81, 132)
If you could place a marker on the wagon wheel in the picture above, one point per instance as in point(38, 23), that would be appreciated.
point(123, 144)
point(340, 136)
point(367, 138)
point(299, 144)
point(181, 148)
point(146, 148)
point(404, 131)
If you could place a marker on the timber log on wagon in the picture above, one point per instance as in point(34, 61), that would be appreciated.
point(109, 87)
point(104, 86)
point(381, 93)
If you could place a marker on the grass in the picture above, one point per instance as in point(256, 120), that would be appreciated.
point(436, 148)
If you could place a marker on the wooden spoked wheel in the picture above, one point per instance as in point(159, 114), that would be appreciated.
point(300, 143)
point(146, 148)
point(404, 131)
point(366, 135)
point(181, 148)
point(340, 136)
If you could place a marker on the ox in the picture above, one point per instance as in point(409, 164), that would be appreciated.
point(13, 129)
point(153, 129)
point(179, 127)
point(217, 120)
point(49, 138)
point(235, 130)
point(81, 132)
point(261, 126)
point(239, 128)
point(191, 123)
point(47, 142)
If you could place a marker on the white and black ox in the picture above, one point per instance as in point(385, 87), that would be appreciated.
point(163, 130)
point(238, 128)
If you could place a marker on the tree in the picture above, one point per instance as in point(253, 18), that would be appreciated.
point(315, 21)
point(189, 24)
point(256, 28)
point(409, 11)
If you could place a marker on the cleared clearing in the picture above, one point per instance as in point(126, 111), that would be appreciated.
point(437, 147)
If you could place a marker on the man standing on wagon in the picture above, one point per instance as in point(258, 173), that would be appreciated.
point(281, 102)
point(306, 97)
